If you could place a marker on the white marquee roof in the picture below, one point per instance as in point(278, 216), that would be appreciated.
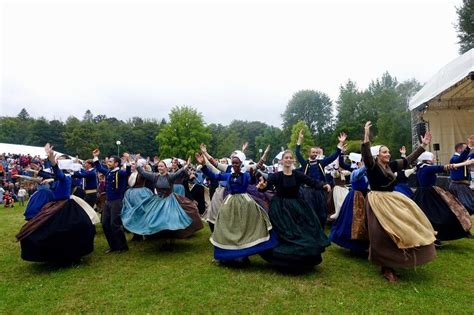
point(450, 75)
point(23, 149)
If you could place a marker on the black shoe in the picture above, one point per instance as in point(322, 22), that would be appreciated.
point(469, 235)
point(438, 243)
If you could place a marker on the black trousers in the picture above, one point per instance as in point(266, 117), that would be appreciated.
point(112, 225)
point(91, 199)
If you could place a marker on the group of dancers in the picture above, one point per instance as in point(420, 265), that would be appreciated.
point(280, 216)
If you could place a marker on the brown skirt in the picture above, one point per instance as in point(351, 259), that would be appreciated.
point(384, 252)
point(192, 211)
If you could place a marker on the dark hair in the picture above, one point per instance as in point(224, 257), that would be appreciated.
point(116, 159)
point(459, 146)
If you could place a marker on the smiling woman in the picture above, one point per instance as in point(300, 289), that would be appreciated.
point(394, 245)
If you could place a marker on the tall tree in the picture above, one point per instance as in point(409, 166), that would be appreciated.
point(23, 114)
point(315, 109)
point(183, 134)
point(465, 26)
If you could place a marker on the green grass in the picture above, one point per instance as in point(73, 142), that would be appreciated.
point(148, 280)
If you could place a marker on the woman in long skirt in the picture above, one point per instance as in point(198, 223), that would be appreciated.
point(400, 234)
point(242, 228)
point(448, 216)
point(300, 235)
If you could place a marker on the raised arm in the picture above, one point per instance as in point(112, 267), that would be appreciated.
point(99, 167)
point(365, 147)
point(263, 159)
point(300, 157)
point(343, 164)
point(328, 160)
point(147, 175)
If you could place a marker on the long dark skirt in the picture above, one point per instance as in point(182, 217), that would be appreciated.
point(316, 199)
point(442, 218)
point(300, 235)
point(464, 194)
point(65, 237)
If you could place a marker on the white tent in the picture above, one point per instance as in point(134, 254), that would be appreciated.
point(446, 104)
point(23, 149)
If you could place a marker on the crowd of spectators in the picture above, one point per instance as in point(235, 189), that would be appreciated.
point(12, 188)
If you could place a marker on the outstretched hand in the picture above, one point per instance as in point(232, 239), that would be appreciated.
point(403, 150)
point(301, 135)
point(96, 152)
point(342, 137)
point(199, 158)
point(426, 139)
point(203, 148)
point(48, 149)
point(244, 146)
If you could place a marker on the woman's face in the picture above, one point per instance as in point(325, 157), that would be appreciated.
point(287, 160)
point(162, 169)
point(384, 154)
point(236, 164)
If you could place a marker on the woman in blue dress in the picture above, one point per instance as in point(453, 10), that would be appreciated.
point(145, 213)
point(349, 230)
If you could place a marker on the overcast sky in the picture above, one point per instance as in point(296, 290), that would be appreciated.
point(230, 60)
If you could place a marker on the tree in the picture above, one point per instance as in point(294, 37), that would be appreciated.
point(315, 109)
point(183, 134)
point(308, 141)
point(24, 115)
point(465, 26)
point(88, 116)
point(272, 136)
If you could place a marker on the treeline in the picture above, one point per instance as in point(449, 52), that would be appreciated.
point(384, 102)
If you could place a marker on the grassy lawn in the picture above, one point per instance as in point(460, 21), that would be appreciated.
point(149, 280)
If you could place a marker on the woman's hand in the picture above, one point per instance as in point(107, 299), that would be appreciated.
point(426, 139)
point(367, 126)
point(199, 158)
point(262, 184)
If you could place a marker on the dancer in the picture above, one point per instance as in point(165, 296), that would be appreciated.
point(447, 215)
point(400, 234)
point(115, 185)
point(300, 235)
point(89, 176)
point(314, 168)
point(242, 227)
point(350, 229)
point(62, 231)
point(165, 212)
point(461, 177)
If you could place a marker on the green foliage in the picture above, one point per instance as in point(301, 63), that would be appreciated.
point(308, 141)
point(384, 103)
point(352, 146)
point(312, 107)
point(465, 26)
point(183, 134)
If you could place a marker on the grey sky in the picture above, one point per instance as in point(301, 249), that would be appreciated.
point(230, 60)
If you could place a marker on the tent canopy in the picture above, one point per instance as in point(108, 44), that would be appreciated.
point(452, 86)
point(23, 149)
